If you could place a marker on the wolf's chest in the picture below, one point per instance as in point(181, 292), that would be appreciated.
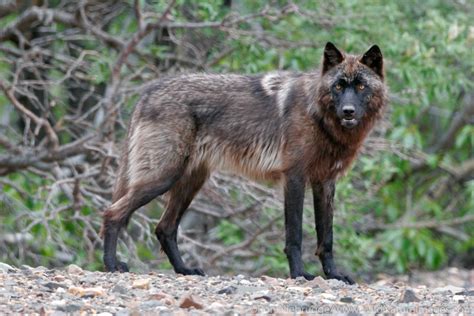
point(328, 166)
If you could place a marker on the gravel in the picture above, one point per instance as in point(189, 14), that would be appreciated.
point(74, 291)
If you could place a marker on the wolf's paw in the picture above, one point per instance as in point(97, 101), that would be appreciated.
point(341, 277)
point(191, 271)
point(119, 266)
point(307, 276)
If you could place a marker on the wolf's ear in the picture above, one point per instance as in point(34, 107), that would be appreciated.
point(374, 60)
point(332, 57)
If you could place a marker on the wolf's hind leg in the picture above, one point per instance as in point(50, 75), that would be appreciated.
point(119, 213)
point(156, 157)
point(180, 197)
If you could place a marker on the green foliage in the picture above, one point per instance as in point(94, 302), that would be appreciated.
point(229, 233)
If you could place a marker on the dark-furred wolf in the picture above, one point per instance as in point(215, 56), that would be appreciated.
point(303, 129)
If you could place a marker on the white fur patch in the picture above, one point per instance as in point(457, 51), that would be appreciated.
point(271, 83)
point(255, 162)
point(283, 95)
point(280, 85)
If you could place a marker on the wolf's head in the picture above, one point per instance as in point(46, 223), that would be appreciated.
point(351, 87)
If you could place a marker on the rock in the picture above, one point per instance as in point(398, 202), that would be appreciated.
point(119, 289)
point(69, 308)
point(228, 290)
point(89, 280)
point(74, 269)
point(141, 284)
point(6, 268)
point(328, 296)
point(270, 280)
point(448, 288)
point(459, 298)
point(163, 297)
point(300, 280)
point(59, 278)
point(336, 284)
point(151, 304)
point(347, 299)
point(262, 297)
point(466, 293)
point(86, 292)
point(319, 282)
point(408, 296)
point(216, 305)
point(189, 301)
point(245, 282)
point(53, 285)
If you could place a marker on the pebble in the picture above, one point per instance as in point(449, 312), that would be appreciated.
point(150, 304)
point(328, 296)
point(119, 289)
point(408, 296)
point(69, 308)
point(165, 298)
point(228, 290)
point(141, 284)
point(86, 292)
point(347, 299)
point(74, 269)
point(189, 301)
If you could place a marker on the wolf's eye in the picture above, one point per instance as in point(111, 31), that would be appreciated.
point(338, 87)
point(360, 87)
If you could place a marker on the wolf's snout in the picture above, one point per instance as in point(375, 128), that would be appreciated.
point(348, 110)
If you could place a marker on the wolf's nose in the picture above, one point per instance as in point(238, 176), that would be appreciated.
point(348, 110)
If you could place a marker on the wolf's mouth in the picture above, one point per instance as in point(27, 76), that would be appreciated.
point(349, 123)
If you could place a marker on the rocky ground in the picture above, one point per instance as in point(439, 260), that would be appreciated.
point(71, 290)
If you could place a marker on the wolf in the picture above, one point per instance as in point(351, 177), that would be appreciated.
point(301, 129)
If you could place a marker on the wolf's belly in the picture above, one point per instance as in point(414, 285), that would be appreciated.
point(259, 161)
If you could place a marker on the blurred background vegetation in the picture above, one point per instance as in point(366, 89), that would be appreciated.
point(70, 72)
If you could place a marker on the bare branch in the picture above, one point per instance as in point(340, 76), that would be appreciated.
point(41, 122)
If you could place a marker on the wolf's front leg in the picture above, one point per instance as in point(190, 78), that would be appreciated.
point(323, 194)
point(294, 198)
